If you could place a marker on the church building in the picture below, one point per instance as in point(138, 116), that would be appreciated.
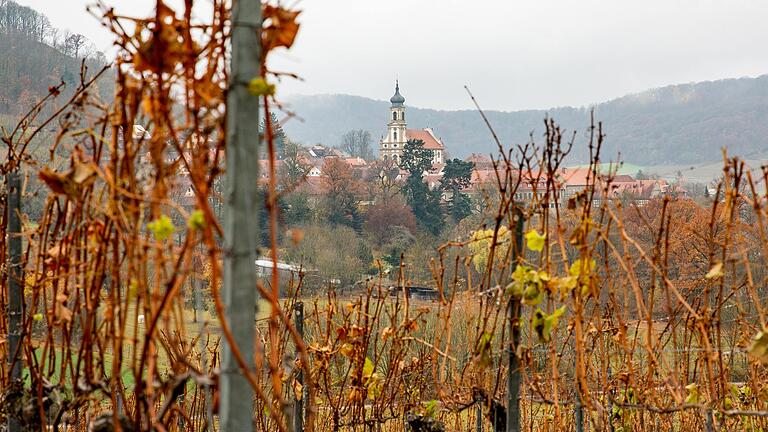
point(391, 145)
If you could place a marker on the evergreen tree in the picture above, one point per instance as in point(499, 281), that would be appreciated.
point(457, 176)
point(298, 209)
point(278, 135)
point(424, 202)
point(264, 216)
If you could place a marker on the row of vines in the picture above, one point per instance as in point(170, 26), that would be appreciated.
point(637, 317)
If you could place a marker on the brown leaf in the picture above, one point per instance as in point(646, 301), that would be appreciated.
point(297, 389)
point(70, 182)
point(280, 27)
point(54, 180)
point(61, 312)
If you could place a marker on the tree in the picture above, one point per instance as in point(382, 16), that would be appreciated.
point(381, 180)
point(424, 202)
point(73, 42)
point(335, 252)
point(279, 137)
point(384, 216)
point(341, 198)
point(357, 143)
point(457, 176)
point(416, 159)
point(297, 209)
point(293, 168)
point(263, 215)
point(399, 238)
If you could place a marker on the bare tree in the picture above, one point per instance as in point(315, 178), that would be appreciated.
point(73, 42)
point(357, 143)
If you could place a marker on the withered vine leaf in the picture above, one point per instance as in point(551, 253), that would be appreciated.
point(280, 27)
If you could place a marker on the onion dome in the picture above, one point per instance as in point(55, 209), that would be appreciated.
point(397, 99)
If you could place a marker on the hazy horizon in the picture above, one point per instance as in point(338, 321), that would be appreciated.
point(513, 55)
point(472, 108)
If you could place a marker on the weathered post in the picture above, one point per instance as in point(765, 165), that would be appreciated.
point(241, 203)
point(578, 414)
point(298, 407)
point(479, 418)
point(710, 423)
point(14, 278)
point(513, 373)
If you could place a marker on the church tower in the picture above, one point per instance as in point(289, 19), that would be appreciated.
point(391, 146)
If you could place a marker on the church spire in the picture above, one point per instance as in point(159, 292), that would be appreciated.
point(397, 99)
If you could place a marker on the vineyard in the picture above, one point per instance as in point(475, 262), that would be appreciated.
point(565, 313)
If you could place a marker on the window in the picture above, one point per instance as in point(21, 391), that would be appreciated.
point(394, 115)
point(395, 135)
point(385, 146)
point(402, 115)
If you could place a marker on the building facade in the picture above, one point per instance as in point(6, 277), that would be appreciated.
point(392, 144)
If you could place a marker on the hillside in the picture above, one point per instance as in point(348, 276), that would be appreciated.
point(678, 124)
point(31, 61)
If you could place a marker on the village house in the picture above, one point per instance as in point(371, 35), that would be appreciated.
point(570, 182)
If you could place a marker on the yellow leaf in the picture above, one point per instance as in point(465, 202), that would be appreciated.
point(716, 272)
point(758, 347)
point(581, 267)
point(534, 240)
point(693, 394)
point(260, 87)
point(196, 220)
point(565, 284)
point(133, 289)
point(161, 227)
point(367, 368)
point(375, 385)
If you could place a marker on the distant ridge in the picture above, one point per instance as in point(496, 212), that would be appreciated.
point(676, 124)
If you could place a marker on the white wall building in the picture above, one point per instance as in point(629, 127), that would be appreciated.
point(391, 144)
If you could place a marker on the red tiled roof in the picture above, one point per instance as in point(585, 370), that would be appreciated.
point(480, 160)
point(576, 176)
point(356, 162)
point(480, 176)
point(622, 179)
point(430, 141)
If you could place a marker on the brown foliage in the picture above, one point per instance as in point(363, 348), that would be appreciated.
point(382, 216)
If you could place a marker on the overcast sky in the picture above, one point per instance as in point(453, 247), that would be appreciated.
point(514, 54)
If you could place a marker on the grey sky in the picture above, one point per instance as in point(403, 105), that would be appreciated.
point(514, 54)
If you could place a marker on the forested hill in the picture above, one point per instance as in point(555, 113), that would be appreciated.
point(678, 124)
point(35, 56)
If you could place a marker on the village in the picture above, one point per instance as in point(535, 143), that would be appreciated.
point(314, 160)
